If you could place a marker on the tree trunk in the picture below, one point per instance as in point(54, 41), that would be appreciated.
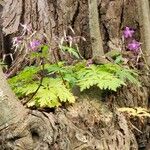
point(89, 124)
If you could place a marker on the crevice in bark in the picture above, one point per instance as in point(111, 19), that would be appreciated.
point(106, 38)
point(7, 50)
point(122, 16)
point(23, 11)
point(1, 34)
point(75, 15)
point(37, 12)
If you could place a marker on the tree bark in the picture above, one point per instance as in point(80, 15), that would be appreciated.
point(8, 104)
point(89, 123)
point(144, 13)
point(94, 27)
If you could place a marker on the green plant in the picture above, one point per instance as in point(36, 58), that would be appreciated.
point(122, 72)
point(89, 77)
point(70, 50)
point(108, 76)
point(51, 92)
point(26, 81)
point(58, 79)
point(49, 85)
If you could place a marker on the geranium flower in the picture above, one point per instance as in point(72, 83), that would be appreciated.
point(16, 40)
point(127, 33)
point(35, 44)
point(134, 46)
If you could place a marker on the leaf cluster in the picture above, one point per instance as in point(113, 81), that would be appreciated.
point(59, 79)
point(52, 91)
point(108, 76)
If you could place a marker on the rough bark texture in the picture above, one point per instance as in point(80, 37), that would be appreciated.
point(89, 124)
point(144, 13)
point(8, 104)
point(53, 17)
point(132, 97)
point(94, 27)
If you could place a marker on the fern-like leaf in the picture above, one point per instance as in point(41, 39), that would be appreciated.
point(94, 76)
point(52, 93)
point(70, 50)
point(123, 73)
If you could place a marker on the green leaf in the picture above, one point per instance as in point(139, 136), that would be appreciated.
point(40, 54)
point(118, 59)
point(25, 76)
point(107, 76)
point(70, 50)
point(52, 93)
point(44, 49)
point(55, 68)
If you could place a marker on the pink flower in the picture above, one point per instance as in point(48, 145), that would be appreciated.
point(134, 46)
point(16, 40)
point(127, 33)
point(35, 44)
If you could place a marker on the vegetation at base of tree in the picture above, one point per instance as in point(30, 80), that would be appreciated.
point(43, 84)
point(55, 81)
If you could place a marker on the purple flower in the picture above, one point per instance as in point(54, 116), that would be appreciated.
point(34, 45)
point(134, 46)
point(127, 33)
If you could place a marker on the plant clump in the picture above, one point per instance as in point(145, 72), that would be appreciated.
point(44, 84)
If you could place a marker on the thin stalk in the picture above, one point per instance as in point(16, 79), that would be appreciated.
point(55, 59)
point(40, 84)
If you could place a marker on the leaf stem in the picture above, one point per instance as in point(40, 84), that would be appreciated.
point(55, 59)
point(41, 80)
